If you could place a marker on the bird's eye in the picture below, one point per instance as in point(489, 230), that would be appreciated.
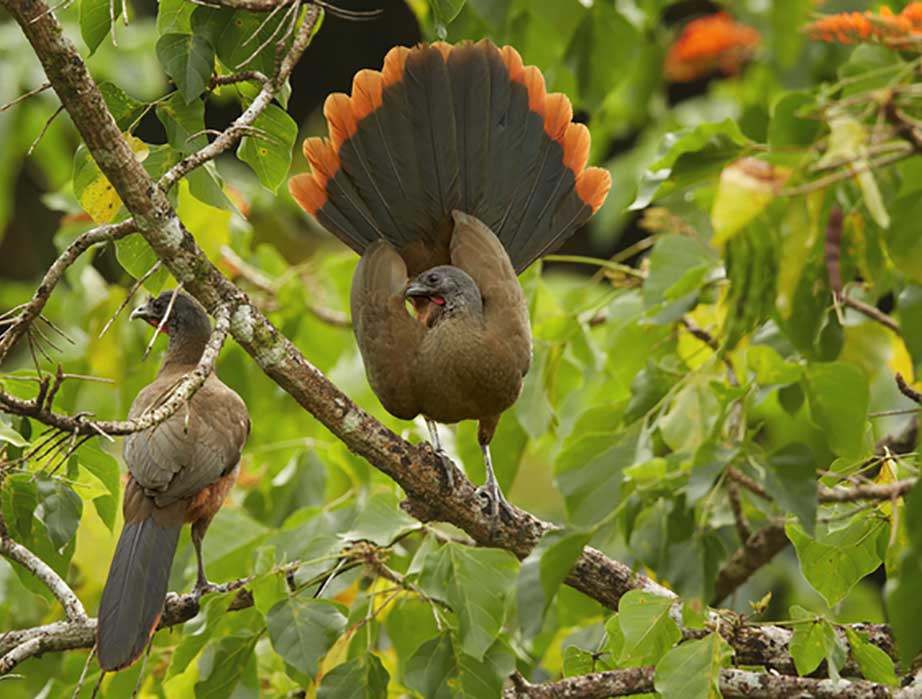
point(432, 278)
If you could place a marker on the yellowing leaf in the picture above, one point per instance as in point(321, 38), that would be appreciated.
point(100, 200)
point(209, 225)
point(745, 188)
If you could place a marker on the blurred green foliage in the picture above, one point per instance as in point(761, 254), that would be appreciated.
point(628, 422)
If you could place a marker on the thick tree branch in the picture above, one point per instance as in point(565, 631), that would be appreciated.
point(33, 308)
point(758, 549)
point(39, 408)
point(733, 683)
point(415, 468)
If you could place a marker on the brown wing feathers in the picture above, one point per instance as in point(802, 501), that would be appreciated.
point(444, 127)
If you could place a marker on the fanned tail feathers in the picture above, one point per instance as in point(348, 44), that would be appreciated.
point(444, 127)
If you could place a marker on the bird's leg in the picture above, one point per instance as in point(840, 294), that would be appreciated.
point(448, 480)
point(202, 586)
point(490, 491)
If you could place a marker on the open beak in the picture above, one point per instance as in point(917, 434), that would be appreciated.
point(417, 289)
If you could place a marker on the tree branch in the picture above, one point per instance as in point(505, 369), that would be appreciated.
point(34, 307)
point(756, 551)
point(733, 683)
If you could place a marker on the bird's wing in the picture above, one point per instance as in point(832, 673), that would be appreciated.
point(387, 336)
point(476, 250)
point(192, 448)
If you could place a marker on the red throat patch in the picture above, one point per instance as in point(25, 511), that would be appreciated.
point(155, 324)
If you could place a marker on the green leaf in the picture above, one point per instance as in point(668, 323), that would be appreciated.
point(873, 662)
point(647, 629)
point(443, 12)
point(808, 647)
point(303, 630)
point(381, 521)
point(20, 500)
point(441, 670)
point(61, 510)
point(788, 127)
point(692, 669)
point(770, 369)
point(791, 479)
point(125, 108)
point(648, 388)
point(136, 257)
point(105, 468)
point(904, 603)
point(542, 573)
point(227, 667)
point(838, 394)
point(688, 157)
point(674, 259)
point(174, 16)
point(477, 584)
point(183, 122)
point(189, 60)
point(95, 22)
point(11, 436)
point(360, 678)
point(833, 563)
point(198, 631)
point(270, 154)
point(910, 307)
point(577, 661)
point(589, 472)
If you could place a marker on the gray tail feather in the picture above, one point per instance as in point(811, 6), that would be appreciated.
point(132, 599)
point(454, 134)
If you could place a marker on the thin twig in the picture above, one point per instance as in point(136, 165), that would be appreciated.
point(27, 95)
point(128, 296)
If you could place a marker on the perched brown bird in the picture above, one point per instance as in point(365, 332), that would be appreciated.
point(449, 172)
point(180, 471)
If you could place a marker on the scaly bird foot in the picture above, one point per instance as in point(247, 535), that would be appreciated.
point(446, 472)
point(494, 503)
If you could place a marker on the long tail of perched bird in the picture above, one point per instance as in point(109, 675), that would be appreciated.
point(449, 172)
point(443, 127)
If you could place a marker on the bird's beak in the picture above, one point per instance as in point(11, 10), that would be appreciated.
point(417, 289)
point(144, 312)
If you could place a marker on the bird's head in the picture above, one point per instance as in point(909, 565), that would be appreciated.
point(442, 292)
point(186, 317)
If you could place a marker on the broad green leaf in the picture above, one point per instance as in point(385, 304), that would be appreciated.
point(136, 257)
point(833, 563)
point(534, 409)
point(303, 630)
point(227, 666)
point(789, 127)
point(189, 60)
point(477, 584)
point(648, 388)
point(904, 603)
point(808, 647)
point(381, 520)
point(647, 629)
point(838, 394)
point(589, 471)
point(443, 12)
point(11, 436)
point(184, 122)
point(673, 259)
point(360, 678)
point(791, 479)
point(441, 670)
point(542, 573)
point(576, 662)
point(20, 500)
point(691, 416)
point(409, 623)
point(174, 16)
point(95, 21)
point(269, 154)
point(105, 468)
point(690, 156)
point(692, 669)
point(125, 108)
point(874, 663)
point(61, 509)
point(198, 631)
point(770, 369)
point(910, 306)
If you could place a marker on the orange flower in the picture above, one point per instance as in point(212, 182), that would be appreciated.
point(706, 44)
point(883, 26)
